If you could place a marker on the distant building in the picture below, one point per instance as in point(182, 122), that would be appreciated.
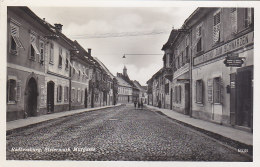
point(142, 92)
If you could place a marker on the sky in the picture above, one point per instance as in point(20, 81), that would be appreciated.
point(112, 32)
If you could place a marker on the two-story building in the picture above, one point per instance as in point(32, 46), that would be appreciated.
point(222, 72)
point(27, 46)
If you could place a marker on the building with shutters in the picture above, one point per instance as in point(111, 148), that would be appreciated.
point(108, 94)
point(80, 74)
point(202, 64)
point(222, 94)
point(26, 64)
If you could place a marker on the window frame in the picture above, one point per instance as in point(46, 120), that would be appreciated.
point(14, 38)
point(14, 91)
point(59, 93)
point(199, 96)
point(217, 90)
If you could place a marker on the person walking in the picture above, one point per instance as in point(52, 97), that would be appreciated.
point(135, 103)
point(142, 105)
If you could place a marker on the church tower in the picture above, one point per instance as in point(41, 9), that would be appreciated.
point(125, 71)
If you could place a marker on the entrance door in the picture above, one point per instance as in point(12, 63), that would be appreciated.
point(32, 98)
point(50, 97)
point(86, 98)
point(244, 96)
point(187, 98)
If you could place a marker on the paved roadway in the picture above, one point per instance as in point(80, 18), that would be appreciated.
point(120, 133)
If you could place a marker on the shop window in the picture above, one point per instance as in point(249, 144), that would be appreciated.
point(51, 54)
point(216, 27)
point(14, 39)
point(73, 94)
point(59, 93)
point(199, 91)
point(33, 48)
point(66, 93)
point(217, 90)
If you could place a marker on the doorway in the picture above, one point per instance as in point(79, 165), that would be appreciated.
point(187, 98)
point(244, 98)
point(50, 97)
point(171, 100)
point(86, 98)
point(32, 94)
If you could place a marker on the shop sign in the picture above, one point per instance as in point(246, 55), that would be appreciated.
point(226, 48)
point(233, 61)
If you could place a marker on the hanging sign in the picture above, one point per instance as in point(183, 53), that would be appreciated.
point(233, 61)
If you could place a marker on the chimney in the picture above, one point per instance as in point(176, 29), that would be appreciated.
point(58, 27)
point(89, 51)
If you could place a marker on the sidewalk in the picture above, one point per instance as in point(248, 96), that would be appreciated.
point(12, 125)
point(228, 132)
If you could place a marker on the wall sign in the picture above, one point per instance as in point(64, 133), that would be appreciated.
point(223, 49)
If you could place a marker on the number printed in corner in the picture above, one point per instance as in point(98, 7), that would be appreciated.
point(242, 150)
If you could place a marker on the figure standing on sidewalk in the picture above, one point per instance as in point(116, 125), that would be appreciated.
point(135, 103)
point(142, 105)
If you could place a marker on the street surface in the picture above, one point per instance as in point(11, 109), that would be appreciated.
point(120, 133)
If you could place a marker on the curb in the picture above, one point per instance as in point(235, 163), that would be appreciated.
point(8, 132)
point(222, 139)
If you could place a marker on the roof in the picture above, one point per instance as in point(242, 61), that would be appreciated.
point(138, 85)
point(170, 40)
point(122, 82)
point(105, 68)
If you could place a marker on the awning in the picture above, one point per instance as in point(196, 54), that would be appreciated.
point(35, 48)
point(17, 41)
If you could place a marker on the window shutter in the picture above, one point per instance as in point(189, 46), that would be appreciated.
point(18, 90)
point(222, 89)
point(216, 28)
point(202, 92)
point(210, 90)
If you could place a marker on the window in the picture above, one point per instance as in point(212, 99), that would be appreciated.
point(60, 57)
point(199, 91)
point(233, 17)
point(248, 17)
point(14, 39)
point(67, 61)
point(72, 94)
point(67, 64)
point(33, 48)
point(81, 99)
point(41, 59)
point(51, 53)
point(66, 93)
point(78, 94)
point(179, 87)
point(216, 27)
point(11, 91)
point(187, 54)
point(59, 93)
point(183, 58)
point(217, 90)
point(167, 60)
point(198, 38)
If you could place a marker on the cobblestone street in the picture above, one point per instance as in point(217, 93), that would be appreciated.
point(120, 133)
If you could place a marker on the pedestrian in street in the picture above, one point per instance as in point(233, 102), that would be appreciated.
point(135, 103)
point(142, 105)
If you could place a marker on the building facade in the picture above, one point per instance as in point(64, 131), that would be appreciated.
point(208, 64)
point(221, 93)
point(26, 64)
point(47, 72)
